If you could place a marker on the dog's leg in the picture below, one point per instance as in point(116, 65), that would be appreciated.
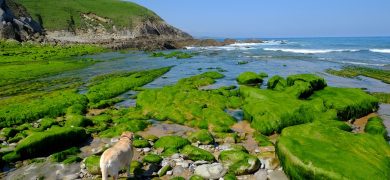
point(104, 174)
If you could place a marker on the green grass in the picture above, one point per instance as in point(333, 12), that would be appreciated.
point(49, 105)
point(114, 86)
point(318, 151)
point(44, 143)
point(354, 71)
point(57, 15)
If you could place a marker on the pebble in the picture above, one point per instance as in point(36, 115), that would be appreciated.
point(200, 162)
point(257, 150)
point(146, 149)
point(169, 172)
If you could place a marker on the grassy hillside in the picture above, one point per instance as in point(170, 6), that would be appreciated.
point(62, 15)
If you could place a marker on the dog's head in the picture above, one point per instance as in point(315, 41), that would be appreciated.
point(128, 135)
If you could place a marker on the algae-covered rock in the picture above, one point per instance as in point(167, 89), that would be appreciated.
point(124, 124)
point(47, 142)
point(375, 126)
point(317, 151)
point(249, 78)
point(171, 143)
point(184, 103)
point(277, 83)
point(203, 136)
point(230, 177)
point(303, 85)
point(196, 154)
point(239, 162)
point(164, 170)
point(141, 143)
point(76, 120)
point(348, 102)
point(92, 164)
point(152, 158)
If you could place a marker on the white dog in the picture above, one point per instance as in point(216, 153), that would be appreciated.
point(117, 157)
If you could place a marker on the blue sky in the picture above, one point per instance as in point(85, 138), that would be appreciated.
point(275, 18)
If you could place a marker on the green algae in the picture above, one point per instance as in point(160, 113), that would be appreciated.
point(92, 164)
point(317, 151)
point(51, 105)
point(354, 71)
point(239, 162)
point(141, 143)
point(195, 154)
point(45, 143)
point(183, 103)
point(272, 110)
point(171, 144)
point(114, 86)
point(65, 155)
point(174, 54)
point(262, 140)
point(122, 125)
point(152, 158)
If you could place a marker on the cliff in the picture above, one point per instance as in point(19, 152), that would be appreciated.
point(84, 21)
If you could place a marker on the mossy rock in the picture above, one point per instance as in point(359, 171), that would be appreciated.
point(76, 109)
point(316, 82)
point(44, 143)
point(72, 159)
point(152, 158)
point(249, 78)
point(92, 163)
point(318, 151)
point(375, 126)
point(76, 120)
point(171, 142)
point(141, 143)
point(239, 162)
point(263, 74)
point(195, 154)
point(349, 103)
point(164, 170)
point(203, 136)
point(277, 83)
point(150, 137)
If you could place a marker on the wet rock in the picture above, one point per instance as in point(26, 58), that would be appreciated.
point(269, 163)
point(178, 170)
point(210, 171)
point(261, 175)
point(277, 175)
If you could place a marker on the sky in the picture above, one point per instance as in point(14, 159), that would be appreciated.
point(275, 18)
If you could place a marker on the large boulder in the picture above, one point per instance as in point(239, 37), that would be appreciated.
point(16, 23)
point(321, 151)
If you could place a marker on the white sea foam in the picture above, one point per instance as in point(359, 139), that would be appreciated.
point(310, 51)
point(387, 51)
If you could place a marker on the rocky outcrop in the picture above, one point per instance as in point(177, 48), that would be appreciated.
point(16, 23)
